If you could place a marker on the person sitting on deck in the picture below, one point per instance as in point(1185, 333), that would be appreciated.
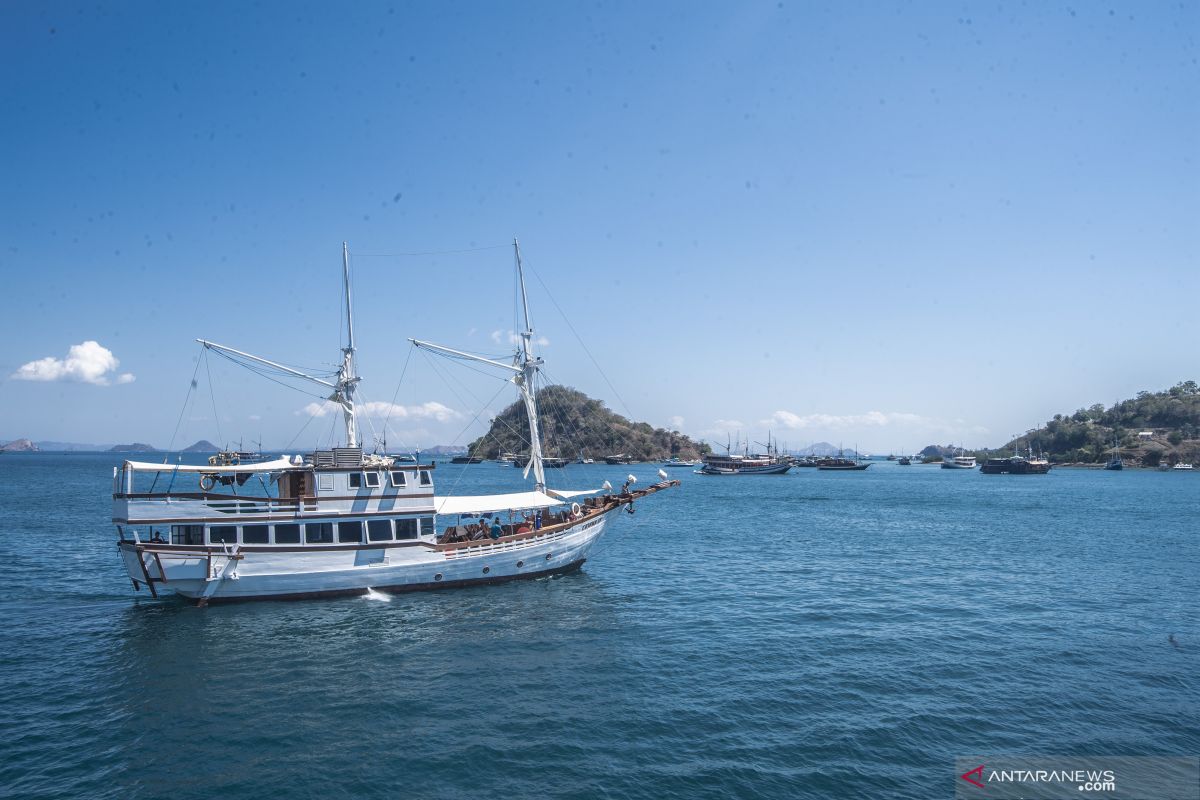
point(496, 530)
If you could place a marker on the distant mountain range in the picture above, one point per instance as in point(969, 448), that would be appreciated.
point(825, 449)
point(202, 446)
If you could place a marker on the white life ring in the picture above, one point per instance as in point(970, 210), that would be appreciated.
point(575, 509)
point(207, 482)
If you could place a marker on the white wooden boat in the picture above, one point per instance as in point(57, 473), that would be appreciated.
point(340, 521)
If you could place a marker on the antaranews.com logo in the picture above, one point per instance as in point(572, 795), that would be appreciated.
point(1077, 777)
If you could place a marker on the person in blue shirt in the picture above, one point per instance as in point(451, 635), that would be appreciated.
point(537, 520)
point(496, 531)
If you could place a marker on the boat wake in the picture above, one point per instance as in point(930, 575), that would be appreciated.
point(374, 595)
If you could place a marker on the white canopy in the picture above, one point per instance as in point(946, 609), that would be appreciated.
point(477, 504)
point(283, 462)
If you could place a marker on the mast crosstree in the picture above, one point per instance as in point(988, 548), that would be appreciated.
point(525, 368)
point(344, 384)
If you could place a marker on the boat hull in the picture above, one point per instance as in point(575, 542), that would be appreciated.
point(271, 573)
point(1014, 467)
point(769, 469)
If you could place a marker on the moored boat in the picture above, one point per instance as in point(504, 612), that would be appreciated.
point(959, 461)
point(745, 463)
point(676, 461)
point(340, 521)
point(1016, 464)
point(842, 464)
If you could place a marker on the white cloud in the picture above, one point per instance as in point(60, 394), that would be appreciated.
point(676, 422)
point(88, 362)
point(511, 337)
point(722, 427)
point(378, 410)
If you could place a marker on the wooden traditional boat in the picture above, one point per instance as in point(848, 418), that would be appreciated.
point(340, 521)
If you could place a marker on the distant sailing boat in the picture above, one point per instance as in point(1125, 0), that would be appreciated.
point(1115, 462)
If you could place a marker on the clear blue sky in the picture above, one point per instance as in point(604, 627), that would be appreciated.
point(889, 224)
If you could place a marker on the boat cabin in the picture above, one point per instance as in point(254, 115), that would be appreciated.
point(335, 498)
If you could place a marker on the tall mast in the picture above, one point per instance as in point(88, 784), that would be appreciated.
point(344, 396)
point(527, 382)
point(347, 380)
point(524, 368)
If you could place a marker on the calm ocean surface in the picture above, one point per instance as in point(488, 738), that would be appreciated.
point(817, 635)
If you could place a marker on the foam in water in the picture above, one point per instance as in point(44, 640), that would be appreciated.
point(374, 595)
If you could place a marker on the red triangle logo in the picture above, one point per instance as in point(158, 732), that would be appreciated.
point(978, 771)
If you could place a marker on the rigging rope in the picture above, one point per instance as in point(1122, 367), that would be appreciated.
point(579, 339)
point(186, 399)
point(387, 418)
point(213, 396)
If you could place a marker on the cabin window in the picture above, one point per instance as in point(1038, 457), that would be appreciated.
point(397, 478)
point(406, 529)
point(372, 480)
point(255, 534)
point(425, 479)
point(318, 533)
point(325, 483)
point(379, 530)
point(427, 526)
point(355, 480)
point(223, 534)
point(288, 533)
point(187, 534)
point(350, 532)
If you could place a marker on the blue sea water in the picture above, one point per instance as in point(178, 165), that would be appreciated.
point(817, 635)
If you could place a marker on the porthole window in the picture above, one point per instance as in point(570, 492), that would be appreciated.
point(548, 556)
point(486, 570)
point(520, 564)
point(437, 577)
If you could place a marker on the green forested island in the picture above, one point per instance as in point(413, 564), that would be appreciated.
point(1150, 429)
point(572, 423)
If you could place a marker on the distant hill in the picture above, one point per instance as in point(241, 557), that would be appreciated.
point(67, 447)
point(571, 423)
point(19, 446)
point(202, 446)
point(1152, 428)
point(445, 450)
point(136, 447)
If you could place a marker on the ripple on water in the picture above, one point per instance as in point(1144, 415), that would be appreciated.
point(811, 635)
